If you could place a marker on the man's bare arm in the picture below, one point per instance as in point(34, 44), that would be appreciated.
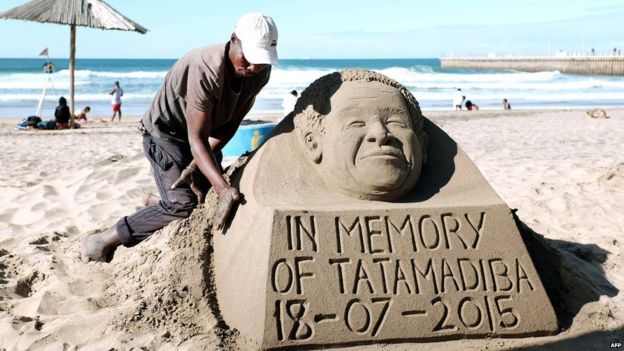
point(217, 141)
point(199, 126)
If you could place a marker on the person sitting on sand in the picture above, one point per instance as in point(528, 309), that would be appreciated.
point(82, 115)
point(205, 97)
point(62, 114)
point(506, 105)
point(470, 106)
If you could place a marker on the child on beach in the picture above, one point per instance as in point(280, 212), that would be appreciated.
point(470, 106)
point(82, 115)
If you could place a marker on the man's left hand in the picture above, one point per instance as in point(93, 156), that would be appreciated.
point(227, 198)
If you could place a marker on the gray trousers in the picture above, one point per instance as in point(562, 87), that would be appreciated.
point(167, 160)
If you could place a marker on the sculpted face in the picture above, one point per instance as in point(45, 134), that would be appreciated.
point(369, 149)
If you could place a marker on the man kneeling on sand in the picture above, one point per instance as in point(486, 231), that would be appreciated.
point(197, 110)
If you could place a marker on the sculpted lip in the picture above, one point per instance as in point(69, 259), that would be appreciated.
point(392, 153)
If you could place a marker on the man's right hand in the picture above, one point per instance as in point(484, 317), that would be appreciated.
point(227, 198)
point(185, 178)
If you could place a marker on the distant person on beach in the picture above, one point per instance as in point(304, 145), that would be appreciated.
point(82, 115)
point(288, 104)
point(458, 99)
point(506, 105)
point(196, 111)
point(470, 106)
point(62, 114)
point(117, 93)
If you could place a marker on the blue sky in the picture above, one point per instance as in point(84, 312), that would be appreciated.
point(339, 28)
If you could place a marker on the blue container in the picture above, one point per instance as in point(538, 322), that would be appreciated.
point(247, 138)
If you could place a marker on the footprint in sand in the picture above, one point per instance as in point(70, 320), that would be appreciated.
point(138, 192)
point(102, 174)
point(86, 188)
point(557, 204)
point(7, 215)
point(112, 159)
point(39, 206)
point(26, 216)
point(138, 156)
point(613, 178)
point(125, 174)
point(56, 304)
point(49, 191)
point(104, 195)
point(100, 210)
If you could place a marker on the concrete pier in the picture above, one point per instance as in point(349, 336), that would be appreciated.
point(600, 65)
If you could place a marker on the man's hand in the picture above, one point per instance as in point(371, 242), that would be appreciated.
point(185, 177)
point(227, 197)
point(190, 176)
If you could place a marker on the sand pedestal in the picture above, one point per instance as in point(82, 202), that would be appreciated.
point(301, 265)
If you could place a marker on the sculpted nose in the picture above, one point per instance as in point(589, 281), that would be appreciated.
point(377, 133)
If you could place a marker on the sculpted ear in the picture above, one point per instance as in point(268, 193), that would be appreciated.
point(424, 143)
point(312, 146)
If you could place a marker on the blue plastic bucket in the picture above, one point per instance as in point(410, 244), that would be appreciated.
point(247, 138)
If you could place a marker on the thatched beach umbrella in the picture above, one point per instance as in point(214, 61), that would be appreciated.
point(85, 13)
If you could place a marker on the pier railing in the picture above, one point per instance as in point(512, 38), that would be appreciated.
point(599, 65)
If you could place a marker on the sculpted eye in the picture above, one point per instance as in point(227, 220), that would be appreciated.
point(395, 122)
point(356, 124)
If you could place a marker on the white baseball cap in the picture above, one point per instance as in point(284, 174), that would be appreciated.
point(258, 36)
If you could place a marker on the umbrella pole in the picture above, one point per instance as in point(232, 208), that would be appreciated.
point(72, 59)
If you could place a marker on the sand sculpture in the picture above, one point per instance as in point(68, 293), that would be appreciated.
point(363, 222)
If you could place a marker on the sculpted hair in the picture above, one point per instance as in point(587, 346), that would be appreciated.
point(314, 102)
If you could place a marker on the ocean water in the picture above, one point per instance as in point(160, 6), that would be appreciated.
point(23, 80)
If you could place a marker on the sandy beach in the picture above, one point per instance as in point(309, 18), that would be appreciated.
point(562, 170)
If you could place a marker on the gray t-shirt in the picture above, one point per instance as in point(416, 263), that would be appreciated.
point(199, 79)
